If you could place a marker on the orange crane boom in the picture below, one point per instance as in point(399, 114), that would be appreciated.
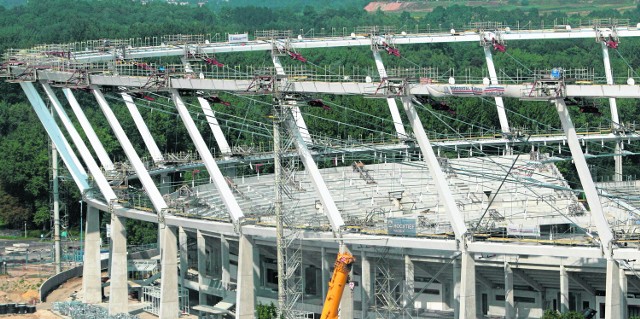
point(339, 279)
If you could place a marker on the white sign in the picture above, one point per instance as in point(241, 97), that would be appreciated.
point(522, 230)
point(238, 38)
point(108, 230)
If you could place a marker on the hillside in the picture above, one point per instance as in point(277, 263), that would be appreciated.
point(570, 7)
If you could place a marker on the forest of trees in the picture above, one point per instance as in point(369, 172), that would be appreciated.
point(25, 161)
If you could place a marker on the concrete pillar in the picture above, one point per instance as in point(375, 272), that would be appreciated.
point(346, 303)
point(324, 263)
point(226, 266)
point(169, 300)
point(467, 286)
point(623, 292)
point(91, 283)
point(118, 290)
point(564, 290)
point(366, 284)
point(202, 266)
point(245, 295)
point(184, 254)
point(409, 282)
point(613, 294)
point(509, 311)
point(455, 298)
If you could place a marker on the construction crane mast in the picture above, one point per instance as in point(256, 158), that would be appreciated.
point(339, 279)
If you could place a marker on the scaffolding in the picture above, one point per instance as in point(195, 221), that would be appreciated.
point(151, 300)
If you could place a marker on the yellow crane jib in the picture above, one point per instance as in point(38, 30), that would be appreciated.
point(339, 279)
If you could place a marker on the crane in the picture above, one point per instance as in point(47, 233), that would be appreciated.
point(339, 279)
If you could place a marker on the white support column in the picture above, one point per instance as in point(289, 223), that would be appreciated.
point(202, 266)
point(169, 281)
point(76, 170)
point(224, 261)
point(604, 232)
point(393, 107)
point(564, 290)
point(324, 270)
point(184, 254)
point(118, 290)
point(143, 175)
point(169, 298)
point(467, 286)
point(215, 127)
point(91, 272)
point(493, 76)
point(149, 142)
point(295, 110)
point(366, 284)
point(106, 162)
point(453, 213)
point(409, 281)
point(94, 169)
point(227, 196)
point(613, 294)
point(245, 295)
point(609, 75)
point(613, 106)
point(330, 208)
point(91, 281)
point(509, 311)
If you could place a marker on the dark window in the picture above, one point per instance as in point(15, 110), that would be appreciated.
point(427, 291)
point(517, 299)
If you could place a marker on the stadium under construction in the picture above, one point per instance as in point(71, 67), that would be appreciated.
point(440, 225)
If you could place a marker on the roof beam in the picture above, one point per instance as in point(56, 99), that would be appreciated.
point(526, 278)
point(578, 280)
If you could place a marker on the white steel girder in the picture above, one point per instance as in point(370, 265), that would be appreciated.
point(106, 162)
point(93, 167)
point(330, 208)
point(613, 106)
point(295, 110)
point(72, 162)
point(215, 127)
point(604, 232)
point(453, 213)
point(493, 77)
point(393, 106)
point(144, 130)
point(226, 195)
point(609, 75)
point(143, 175)
point(369, 89)
point(169, 282)
point(348, 41)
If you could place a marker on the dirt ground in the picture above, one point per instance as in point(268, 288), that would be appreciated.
point(21, 286)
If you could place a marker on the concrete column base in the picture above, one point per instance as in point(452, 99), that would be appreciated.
point(169, 300)
point(91, 283)
point(119, 293)
point(245, 295)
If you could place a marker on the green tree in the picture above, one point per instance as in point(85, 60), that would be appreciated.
point(266, 311)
